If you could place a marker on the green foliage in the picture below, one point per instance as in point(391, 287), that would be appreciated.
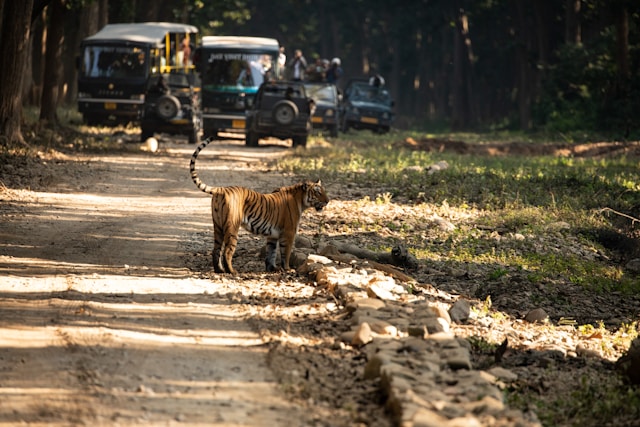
point(520, 222)
point(584, 90)
point(590, 402)
point(518, 206)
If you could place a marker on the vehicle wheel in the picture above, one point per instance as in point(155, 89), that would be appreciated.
point(167, 107)
point(299, 141)
point(345, 126)
point(333, 131)
point(194, 136)
point(285, 112)
point(145, 134)
point(251, 139)
point(91, 120)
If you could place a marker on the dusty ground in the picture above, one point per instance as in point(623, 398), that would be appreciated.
point(101, 321)
point(110, 315)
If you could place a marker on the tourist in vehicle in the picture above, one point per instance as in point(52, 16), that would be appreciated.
point(298, 66)
point(282, 59)
point(185, 52)
point(245, 78)
point(316, 72)
point(334, 72)
point(376, 80)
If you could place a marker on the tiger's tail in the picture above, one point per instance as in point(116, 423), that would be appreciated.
point(194, 175)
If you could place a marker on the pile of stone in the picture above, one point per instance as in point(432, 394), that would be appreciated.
point(425, 371)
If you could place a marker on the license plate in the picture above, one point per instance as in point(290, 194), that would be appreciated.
point(109, 105)
point(237, 124)
point(371, 120)
point(316, 119)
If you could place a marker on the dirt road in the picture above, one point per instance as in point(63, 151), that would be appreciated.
point(101, 323)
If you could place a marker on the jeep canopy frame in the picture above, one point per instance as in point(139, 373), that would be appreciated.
point(116, 63)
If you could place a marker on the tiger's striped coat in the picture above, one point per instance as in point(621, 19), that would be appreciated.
point(275, 215)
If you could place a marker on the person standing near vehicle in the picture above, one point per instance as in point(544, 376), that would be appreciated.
point(376, 80)
point(184, 55)
point(298, 66)
point(282, 60)
point(316, 72)
point(334, 72)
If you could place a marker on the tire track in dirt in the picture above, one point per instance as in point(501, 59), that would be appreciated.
point(101, 323)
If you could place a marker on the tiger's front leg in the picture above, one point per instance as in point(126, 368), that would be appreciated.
point(286, 247)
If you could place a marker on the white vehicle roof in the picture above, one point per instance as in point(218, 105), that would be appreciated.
point(239, 42)
point(143, 32)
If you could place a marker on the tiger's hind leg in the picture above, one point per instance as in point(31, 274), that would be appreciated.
point(270, 260)
point(217, 248)
point(230, 243)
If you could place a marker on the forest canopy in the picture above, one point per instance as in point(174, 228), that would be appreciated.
point(492, 64)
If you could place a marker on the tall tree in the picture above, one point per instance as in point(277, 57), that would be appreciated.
point(14, 33)
point(463, 111)
point(53, 61)
point(572, 26)
point(622, 40)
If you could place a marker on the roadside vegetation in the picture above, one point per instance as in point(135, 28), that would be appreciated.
point(596, 198)
point(530, 231)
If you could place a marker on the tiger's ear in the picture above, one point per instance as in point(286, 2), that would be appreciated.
point(319, 183)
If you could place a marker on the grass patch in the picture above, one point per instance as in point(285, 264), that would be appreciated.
point(538, 218)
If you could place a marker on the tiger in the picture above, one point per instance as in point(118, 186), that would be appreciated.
point(275, 215)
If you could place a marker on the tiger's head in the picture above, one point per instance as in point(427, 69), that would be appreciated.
point(315, 195)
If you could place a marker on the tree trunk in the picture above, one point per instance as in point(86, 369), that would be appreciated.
point(103, 14)
point(16, 24)
point(462, 114)
point(87, 23)
point(53, 62)
point(572, 28)
point(622, 42)
point(523, 40)
point(34, 69)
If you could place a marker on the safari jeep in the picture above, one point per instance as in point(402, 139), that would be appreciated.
point(171, 106)
point(282, 110)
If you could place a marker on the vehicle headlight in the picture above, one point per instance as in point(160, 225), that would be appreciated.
point(385, 115)
point(329, 113)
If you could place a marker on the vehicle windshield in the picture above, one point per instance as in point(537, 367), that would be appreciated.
point(114, 61)
point(321, 92)
point(236, 71)
point(367, 93)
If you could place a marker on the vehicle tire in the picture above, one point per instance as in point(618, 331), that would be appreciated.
point(251, 139)
point(145, 134)
point(345, 125)
point(194, 136)
point(91, 120)
point(167, 107)
point(333, 131)
point(299, 141)
point(285, 112)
